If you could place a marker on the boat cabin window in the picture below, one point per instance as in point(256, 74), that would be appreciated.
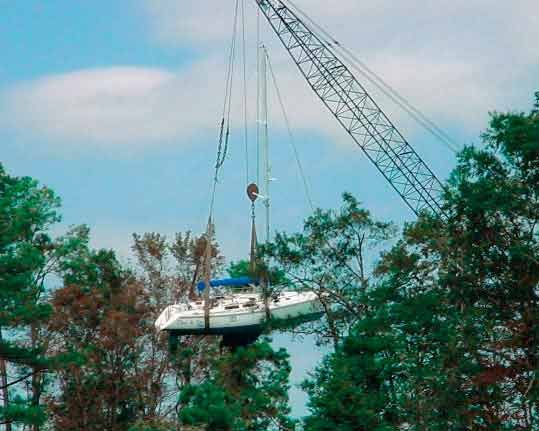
point(231, 307)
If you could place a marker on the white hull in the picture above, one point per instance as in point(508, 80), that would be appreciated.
point(237, 313)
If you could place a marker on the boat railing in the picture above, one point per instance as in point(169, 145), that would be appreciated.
point(168, 313)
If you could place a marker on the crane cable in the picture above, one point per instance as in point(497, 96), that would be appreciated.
point(222, 151)
point(389, 91)
point(245, 98)
point(224, 132)
point(259, 43)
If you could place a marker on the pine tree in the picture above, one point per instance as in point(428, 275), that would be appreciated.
point(246, 390)
point(28, 256)
point(355, 388)
point(448, 336)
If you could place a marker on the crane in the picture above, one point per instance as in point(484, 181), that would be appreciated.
point(370, 128)
point(356, 111)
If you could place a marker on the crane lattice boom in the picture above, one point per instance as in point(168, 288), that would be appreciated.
point(355, 110)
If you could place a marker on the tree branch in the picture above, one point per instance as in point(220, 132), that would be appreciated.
point(14, 382)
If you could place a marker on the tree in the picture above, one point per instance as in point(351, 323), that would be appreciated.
point(332, 257)
point(382, 376)
point(28, 257)
point(127, 378)
point(355, 387)
point(449, 330)
point(100, 312)
point(168, 271)
point(94, 335)
point(246, 389)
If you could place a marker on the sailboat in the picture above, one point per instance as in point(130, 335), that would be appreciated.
point(237, 313)
point(238, 308)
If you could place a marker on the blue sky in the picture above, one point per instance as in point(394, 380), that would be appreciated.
point(114, 104)
point(58, 36)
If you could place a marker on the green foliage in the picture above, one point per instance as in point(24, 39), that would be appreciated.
point(26, 212)
point(277, 277)
point(207, 405)
point(247, 390)
point(330, 256)
point(239, 269)
point(448, 334)
point(20, 411)
point(354, 390)
point(28, 256)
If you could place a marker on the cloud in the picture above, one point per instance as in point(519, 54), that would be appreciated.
point(119, 105)
point(461, 27)
point(479, 50)
point(190, 24)
point(119, 108)
point(455, 61)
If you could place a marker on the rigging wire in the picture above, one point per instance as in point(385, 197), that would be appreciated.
point(224, 133)
point(380, 83)
point(296, 153)
point(230, 74)
point(245, 108)
point(397, 98)
point(291, 136)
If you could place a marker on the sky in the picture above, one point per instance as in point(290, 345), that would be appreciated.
point(116, 105)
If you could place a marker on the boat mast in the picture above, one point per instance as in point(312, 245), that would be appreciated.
point(264, 145)
point(263, 132)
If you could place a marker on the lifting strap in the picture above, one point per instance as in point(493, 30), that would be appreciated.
point(222, 150)
point(207, 273)
point(252, 193)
